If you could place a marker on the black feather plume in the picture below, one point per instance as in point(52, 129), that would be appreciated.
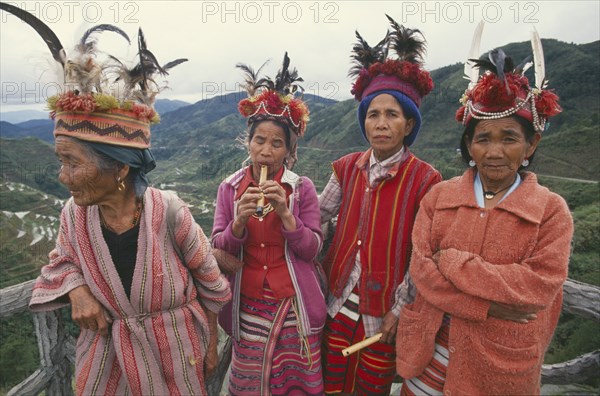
point(86, 46)
point(142, 73)
point(483, 65)
point(364, 55)
point(140, 68)
point(251, 81)
point(151, 65)
point(172, 64)
point(285, 80)
point(499, 64)
point(49, 37)
point(406, 42)
point(283, 74)
point(498, 59)
point(148, 64)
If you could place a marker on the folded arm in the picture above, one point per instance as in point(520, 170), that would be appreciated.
point(531, 283)
point(430, 282)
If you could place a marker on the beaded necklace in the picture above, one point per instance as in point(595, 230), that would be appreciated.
point(139, 206)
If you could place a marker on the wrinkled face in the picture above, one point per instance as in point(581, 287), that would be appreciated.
point(499, 147)
point(268, 147)
point(87, 183)
point(386, 126)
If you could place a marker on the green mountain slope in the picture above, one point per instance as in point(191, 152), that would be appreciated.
point(29, 221)
point(31, 162)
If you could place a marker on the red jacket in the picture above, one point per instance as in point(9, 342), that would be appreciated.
point(464, 257)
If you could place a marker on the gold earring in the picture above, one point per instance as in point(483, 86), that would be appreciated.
point(121, 184)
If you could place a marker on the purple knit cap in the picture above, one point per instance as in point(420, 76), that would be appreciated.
point(384, 82)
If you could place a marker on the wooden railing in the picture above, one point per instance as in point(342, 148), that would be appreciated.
point(57, 351)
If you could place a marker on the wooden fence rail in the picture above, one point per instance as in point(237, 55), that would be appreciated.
point(57, 348)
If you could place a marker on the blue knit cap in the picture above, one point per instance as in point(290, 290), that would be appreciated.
point(408, 107)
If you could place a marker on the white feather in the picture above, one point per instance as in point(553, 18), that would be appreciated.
point(526, 67)
point(472, 73)
point(538, 59)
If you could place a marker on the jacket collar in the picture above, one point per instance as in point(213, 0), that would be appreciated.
point(528, 201)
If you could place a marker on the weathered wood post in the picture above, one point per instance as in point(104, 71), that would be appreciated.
point(55, 374)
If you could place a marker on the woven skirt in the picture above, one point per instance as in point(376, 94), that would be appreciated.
point(271, 358)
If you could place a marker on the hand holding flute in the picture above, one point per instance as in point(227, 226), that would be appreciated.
point(251, 203)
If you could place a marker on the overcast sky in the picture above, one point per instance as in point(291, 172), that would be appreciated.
point(318, 35)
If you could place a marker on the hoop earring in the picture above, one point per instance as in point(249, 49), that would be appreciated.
point(121, 184)
point(472, 163)
point(525, 163)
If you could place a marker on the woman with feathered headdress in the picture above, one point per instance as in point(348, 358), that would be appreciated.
point(137, 270)
point(375, 195)
point(269, 217)
point(490, 248)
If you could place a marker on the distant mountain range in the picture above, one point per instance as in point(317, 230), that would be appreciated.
point(18, 116)
point(196, 147)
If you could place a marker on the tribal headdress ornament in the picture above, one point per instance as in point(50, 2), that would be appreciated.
point(101, 101)
point(503, 90)
point(277, 100)
point(402, 77)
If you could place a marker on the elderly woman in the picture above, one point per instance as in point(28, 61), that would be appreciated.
point(375, 195)
point(490, 252)
point(273, 223)
point(143, 284)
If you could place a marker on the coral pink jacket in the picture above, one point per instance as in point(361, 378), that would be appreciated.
point(464, 258)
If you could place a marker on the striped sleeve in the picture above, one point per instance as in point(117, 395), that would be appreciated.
point(213, 288)
point(63, 273)
point(330, 199)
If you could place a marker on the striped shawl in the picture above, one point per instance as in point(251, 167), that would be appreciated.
point(158, 337)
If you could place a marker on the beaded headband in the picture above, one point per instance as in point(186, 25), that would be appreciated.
point(503, 90)
point(101, 100)
point(274, 100)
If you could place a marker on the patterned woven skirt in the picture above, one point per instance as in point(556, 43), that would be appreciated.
point(271, 358)
point(431, 381)
point(369, 371)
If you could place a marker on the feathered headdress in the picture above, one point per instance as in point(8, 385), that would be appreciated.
point(102, 101)
point(404, 74)
point(503, 90)
point(277, 99)
point(376, 72)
